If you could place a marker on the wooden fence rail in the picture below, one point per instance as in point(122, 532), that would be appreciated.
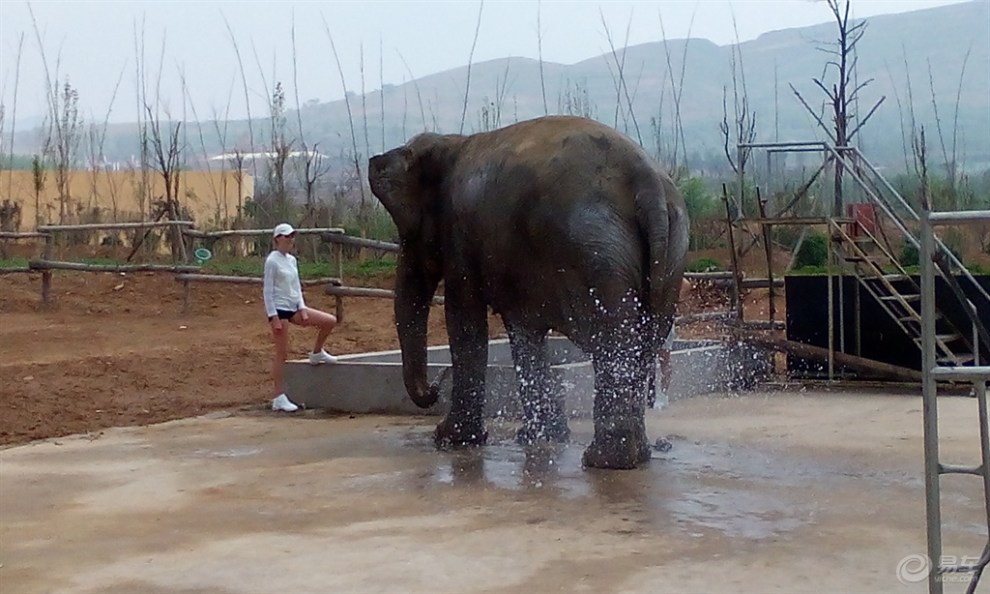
point(46, 267)
point(113, 226)
point(215, 235)
point(185, 279)
point(374, 244)
point(22, 235)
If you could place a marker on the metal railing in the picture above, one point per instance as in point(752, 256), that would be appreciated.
point(978, 376)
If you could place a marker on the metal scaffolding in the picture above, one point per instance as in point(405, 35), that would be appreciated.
point(932, 372)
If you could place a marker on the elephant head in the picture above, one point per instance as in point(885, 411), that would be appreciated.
point(407, 182)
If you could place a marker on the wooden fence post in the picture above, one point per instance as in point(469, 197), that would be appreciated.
point(46, 275)
point(185, 296)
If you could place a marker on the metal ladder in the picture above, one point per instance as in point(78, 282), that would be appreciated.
point(932, 372)
point(868, 257)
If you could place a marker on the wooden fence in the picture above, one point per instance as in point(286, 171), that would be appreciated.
point(188, 274)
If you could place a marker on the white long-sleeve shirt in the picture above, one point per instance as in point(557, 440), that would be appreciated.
point(282, 289)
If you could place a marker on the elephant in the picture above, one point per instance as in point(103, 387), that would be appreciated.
point(560, 224)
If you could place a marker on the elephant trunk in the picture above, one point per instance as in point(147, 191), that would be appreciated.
point(413, 294)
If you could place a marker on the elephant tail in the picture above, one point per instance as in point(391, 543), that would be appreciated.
point(664, 226)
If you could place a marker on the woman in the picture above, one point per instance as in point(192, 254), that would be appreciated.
point(284, 305)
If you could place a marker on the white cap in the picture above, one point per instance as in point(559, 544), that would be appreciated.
point(283, 229)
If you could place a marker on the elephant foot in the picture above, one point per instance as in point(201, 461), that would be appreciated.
point(617, 449)
point(556, 431)
point(457, 432)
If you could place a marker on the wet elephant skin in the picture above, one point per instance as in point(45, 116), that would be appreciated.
point(558, 223)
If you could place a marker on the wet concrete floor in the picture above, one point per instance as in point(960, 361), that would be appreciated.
point(778, 492)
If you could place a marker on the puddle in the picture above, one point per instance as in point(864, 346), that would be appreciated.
point(240, 452)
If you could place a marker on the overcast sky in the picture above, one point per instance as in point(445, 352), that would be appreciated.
point(93, 43)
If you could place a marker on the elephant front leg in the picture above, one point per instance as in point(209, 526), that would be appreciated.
point(620, 430)
point(467, 327)
point(539, 389)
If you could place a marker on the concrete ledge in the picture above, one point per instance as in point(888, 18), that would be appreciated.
point(372, 382)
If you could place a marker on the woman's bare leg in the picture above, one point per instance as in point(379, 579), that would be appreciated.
point(323, 321)
point(281, 340)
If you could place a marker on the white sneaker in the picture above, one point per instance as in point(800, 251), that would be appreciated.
point(282, 403)
point(321, 357)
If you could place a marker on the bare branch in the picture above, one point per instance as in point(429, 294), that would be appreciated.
point(539, 49)
point(867, 118)
point(419, 96)
point(350, 117)
point(474, 44)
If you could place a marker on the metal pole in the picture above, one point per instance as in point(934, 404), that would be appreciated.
point(930, 406)
point(858, 319)
point(736, 281)
point(976, 334)
point(831, 320)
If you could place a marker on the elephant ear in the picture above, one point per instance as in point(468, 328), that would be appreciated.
point(407, 179)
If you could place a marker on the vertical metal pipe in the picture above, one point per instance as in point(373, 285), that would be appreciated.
point(831, 319)
point(976, 333)
point(858, 319)
point(930, 406)
point(981, 396)
point(842, 310)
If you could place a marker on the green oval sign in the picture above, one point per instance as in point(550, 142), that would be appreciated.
point(203, 254)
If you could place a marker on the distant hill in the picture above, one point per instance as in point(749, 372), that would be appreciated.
point(907, 58)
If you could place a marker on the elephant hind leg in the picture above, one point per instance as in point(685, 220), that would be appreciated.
point(539, 389)
point(621, 370)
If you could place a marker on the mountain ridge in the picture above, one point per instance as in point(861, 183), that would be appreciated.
point(908, 57)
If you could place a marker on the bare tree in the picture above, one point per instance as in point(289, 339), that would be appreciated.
point(97, 163)
point(381, 88)
point(619, 80)
point(539, 50)
point(678, 92)
point(474, 44)
point(281, 149)
point(419, 96)
point(67, 128)
point(364, 103)
point(313, 166)
point(39, 173)
point(13, 115)
point(491, 110)
point(143, 190)
point(167, 153)
point(843, 94)
point(743, 128)
point(356, 157)
point(576, 100)
point(949, 158)
point(163, 140)
point(244, 86)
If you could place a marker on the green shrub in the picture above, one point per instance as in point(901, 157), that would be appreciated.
point(809, 271)
point(705, 265)
point(909, 255)
point(813, 252)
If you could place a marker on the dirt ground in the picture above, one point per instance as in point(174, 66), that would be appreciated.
point(115, 350)
point(762, 492)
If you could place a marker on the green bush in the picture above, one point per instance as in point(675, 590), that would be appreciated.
point(705, 265)
point(909, 255)
point(813, 252)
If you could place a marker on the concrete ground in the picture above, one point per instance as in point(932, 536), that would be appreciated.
point(766, 492)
